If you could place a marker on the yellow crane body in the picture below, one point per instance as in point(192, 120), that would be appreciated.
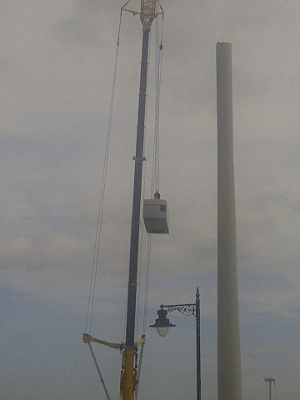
point(128, 374)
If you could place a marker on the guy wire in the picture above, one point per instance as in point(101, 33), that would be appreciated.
point(95, 264)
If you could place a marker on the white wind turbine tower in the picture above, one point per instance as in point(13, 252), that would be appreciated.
point(270, 381)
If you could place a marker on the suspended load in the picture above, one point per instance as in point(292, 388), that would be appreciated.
point(155, 215)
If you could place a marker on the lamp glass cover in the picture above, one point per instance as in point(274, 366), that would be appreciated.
point(162, 330)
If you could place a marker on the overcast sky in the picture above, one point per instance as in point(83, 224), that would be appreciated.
point(56, 70)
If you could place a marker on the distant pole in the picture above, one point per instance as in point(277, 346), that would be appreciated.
point(229, 353)
point(270, 380)
point(198, 344)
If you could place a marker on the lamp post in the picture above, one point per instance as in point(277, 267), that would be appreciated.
point(162, 325)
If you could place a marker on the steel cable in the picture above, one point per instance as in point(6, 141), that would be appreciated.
point(95, 264)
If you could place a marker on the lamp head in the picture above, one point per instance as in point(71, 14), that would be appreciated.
point(162, 324)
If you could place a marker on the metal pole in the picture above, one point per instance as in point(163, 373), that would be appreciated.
point(229, 357)
point(128, 379)
point(198, 345)
point(136, 204)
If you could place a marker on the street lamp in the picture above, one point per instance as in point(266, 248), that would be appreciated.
point(162, 323)
point(162, 326)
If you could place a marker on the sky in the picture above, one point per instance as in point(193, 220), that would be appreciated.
point(56, 71)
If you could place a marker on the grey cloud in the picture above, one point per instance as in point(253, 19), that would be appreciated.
point(80, 31)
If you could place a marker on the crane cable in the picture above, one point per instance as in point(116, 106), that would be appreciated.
point(158, 55)
point(95, 263)
point(276, 390)
point(99, 372)
point(155, 166)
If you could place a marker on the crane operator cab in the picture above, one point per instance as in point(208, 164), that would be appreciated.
point(155, 215)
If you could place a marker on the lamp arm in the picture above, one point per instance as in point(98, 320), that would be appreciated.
point(185, 309)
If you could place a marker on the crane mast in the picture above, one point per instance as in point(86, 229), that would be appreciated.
point(129, 373)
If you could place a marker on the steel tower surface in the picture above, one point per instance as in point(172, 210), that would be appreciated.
point(229, 357)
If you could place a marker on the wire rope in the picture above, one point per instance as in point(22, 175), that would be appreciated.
point(158, 63)
point(99, 372)
point(277, 395)
point(155, 173)
point(95, 263)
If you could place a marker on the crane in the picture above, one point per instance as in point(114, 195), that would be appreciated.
point(149, 10)
point(128, 374)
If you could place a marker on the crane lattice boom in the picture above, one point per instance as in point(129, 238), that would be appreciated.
point(148, 14)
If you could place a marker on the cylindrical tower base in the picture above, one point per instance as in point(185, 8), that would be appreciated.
point(229, 355)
